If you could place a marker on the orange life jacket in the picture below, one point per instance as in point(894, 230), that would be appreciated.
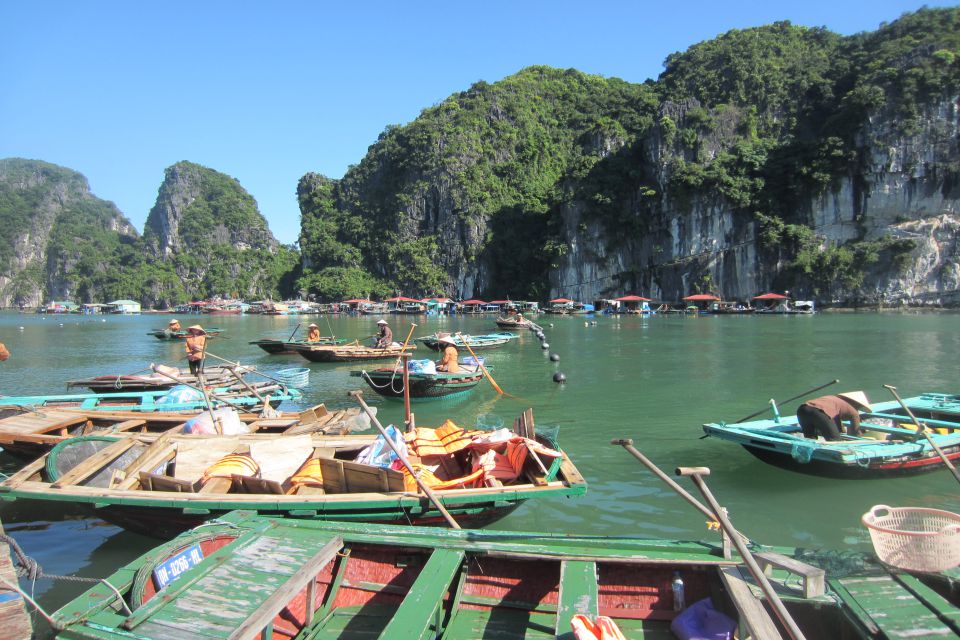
point(232, 464)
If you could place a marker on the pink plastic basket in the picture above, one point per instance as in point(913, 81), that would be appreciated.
point(914, 539)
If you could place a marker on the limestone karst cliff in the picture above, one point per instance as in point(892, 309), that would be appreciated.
point(780, 157)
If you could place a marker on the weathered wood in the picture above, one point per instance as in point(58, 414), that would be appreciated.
point(578, 594)
point(753, 615)
point(342, 476)
point(25, 474)
point(282, 596)
point(883, 602)
point(152, 458)
point(418, 615)
point(247, 484)
point(94, 463)
point(14, 619)
point(155, 482)
point(814, 578)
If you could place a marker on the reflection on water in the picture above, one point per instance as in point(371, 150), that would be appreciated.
point(655, 380)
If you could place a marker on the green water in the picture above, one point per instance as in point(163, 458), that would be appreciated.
point(655, 380)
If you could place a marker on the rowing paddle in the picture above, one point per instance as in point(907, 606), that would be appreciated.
point(486, 373)
point(805, 393)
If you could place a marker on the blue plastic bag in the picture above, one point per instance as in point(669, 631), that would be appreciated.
point(379, 454)
point(700, 621)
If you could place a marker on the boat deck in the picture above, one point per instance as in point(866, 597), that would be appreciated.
point(898, 606)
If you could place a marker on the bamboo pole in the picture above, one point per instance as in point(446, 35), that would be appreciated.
point(921, 430)
point(486, 373)
point(696, 474)
point(805, 393)
point(358, 396)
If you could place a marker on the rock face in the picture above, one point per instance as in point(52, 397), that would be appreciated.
point(200, 207)
point(51, 223)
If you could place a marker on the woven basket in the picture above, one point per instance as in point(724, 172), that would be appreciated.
point(297, 378)
point(914, 539)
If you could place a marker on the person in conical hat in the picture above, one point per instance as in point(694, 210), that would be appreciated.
point(824, 416)
point(196, 346)
point(384, 334)
point(448, 362)
point(173, 325)
point(313, 335)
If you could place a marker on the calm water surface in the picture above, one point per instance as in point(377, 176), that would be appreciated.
point(655, 380)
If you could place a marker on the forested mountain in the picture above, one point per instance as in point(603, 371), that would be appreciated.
point(204, 237)
point(779, 157)
point(776, 157)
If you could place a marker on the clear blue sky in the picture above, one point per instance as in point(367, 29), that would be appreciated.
point(267, 91)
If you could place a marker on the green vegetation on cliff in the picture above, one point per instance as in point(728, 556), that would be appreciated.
point(758, 121)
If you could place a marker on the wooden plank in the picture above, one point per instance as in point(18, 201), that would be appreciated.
point(753, 615)
point(814, 578)
point(14, 619)
point(154, 482)
point(342, 476)
point(418, 616)
point(128, 425)
point(270, 607)
point(897, 612)
point(94, 463)
point(152, 458)
point(578, 594)
point(24, 474)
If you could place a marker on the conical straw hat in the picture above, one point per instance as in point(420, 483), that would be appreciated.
point(858, 398)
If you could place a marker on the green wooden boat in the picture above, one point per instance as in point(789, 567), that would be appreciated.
point(166, 334)
point(486, 341)
point(289, 347)
point(164, 490)
point(388, 382)
point(249, 576)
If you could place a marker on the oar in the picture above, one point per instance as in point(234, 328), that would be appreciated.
point(413, 325)
point(783, 402)
point(922, 430)
point(696, 474)
point(486, 373)
point(294, 332)
point(358, 396)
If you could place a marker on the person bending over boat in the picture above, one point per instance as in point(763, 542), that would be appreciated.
point(313, 335)
point(448, 363)
point(824, 416)
point(384, 335)
point(196, 346)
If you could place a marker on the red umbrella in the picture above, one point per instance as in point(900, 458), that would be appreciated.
point(701, 297)
point(473, 302)
point(632, 299)
point(560, 301)
point(400, 299)
point(770, 296)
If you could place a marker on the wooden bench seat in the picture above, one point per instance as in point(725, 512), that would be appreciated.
point(578, 594)
point(421, 610)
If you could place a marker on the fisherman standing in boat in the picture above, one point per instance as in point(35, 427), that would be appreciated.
point(313, 335)
point(384, 335)
point(824, 416)
point(196, 348)
point(448, 363)
point(173, 327)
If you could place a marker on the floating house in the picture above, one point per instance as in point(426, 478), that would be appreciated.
point(124, 307)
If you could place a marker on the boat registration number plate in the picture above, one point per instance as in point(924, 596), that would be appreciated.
point(174, 567)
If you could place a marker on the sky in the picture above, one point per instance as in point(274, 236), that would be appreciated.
point(268, 91)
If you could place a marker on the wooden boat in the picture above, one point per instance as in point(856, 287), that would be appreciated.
point(509, 323)
point(29, 434)
point(289, 347)
point(248, 395)
point(213, 375)
point(349, 352)
point(486, 341)
point(166, 334)
point(248, 576)
point(388, 382)
point(889, 445)
point(171, 483)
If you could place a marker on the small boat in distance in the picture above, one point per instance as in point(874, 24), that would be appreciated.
point(388, 382)
point(486, 341)
point(277, 347)
point(889, 445)
point(512, 323)
point(166, 334)
point(350, 352)
point(214, 375)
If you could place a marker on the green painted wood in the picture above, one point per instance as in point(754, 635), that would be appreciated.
point(894, 609)
point(471, 624)
point(418, 616)
point(234, 590)
point(578, 594)
point(945, 610)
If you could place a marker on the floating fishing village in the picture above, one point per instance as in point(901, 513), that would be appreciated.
point(665, 349)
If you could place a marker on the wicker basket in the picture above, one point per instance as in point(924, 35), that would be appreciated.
point(914, 539)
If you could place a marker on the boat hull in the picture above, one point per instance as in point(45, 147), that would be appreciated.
point(892, 468)
point(487, 341)
point(289, 347)
point(333, 353)
point(422, 386)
